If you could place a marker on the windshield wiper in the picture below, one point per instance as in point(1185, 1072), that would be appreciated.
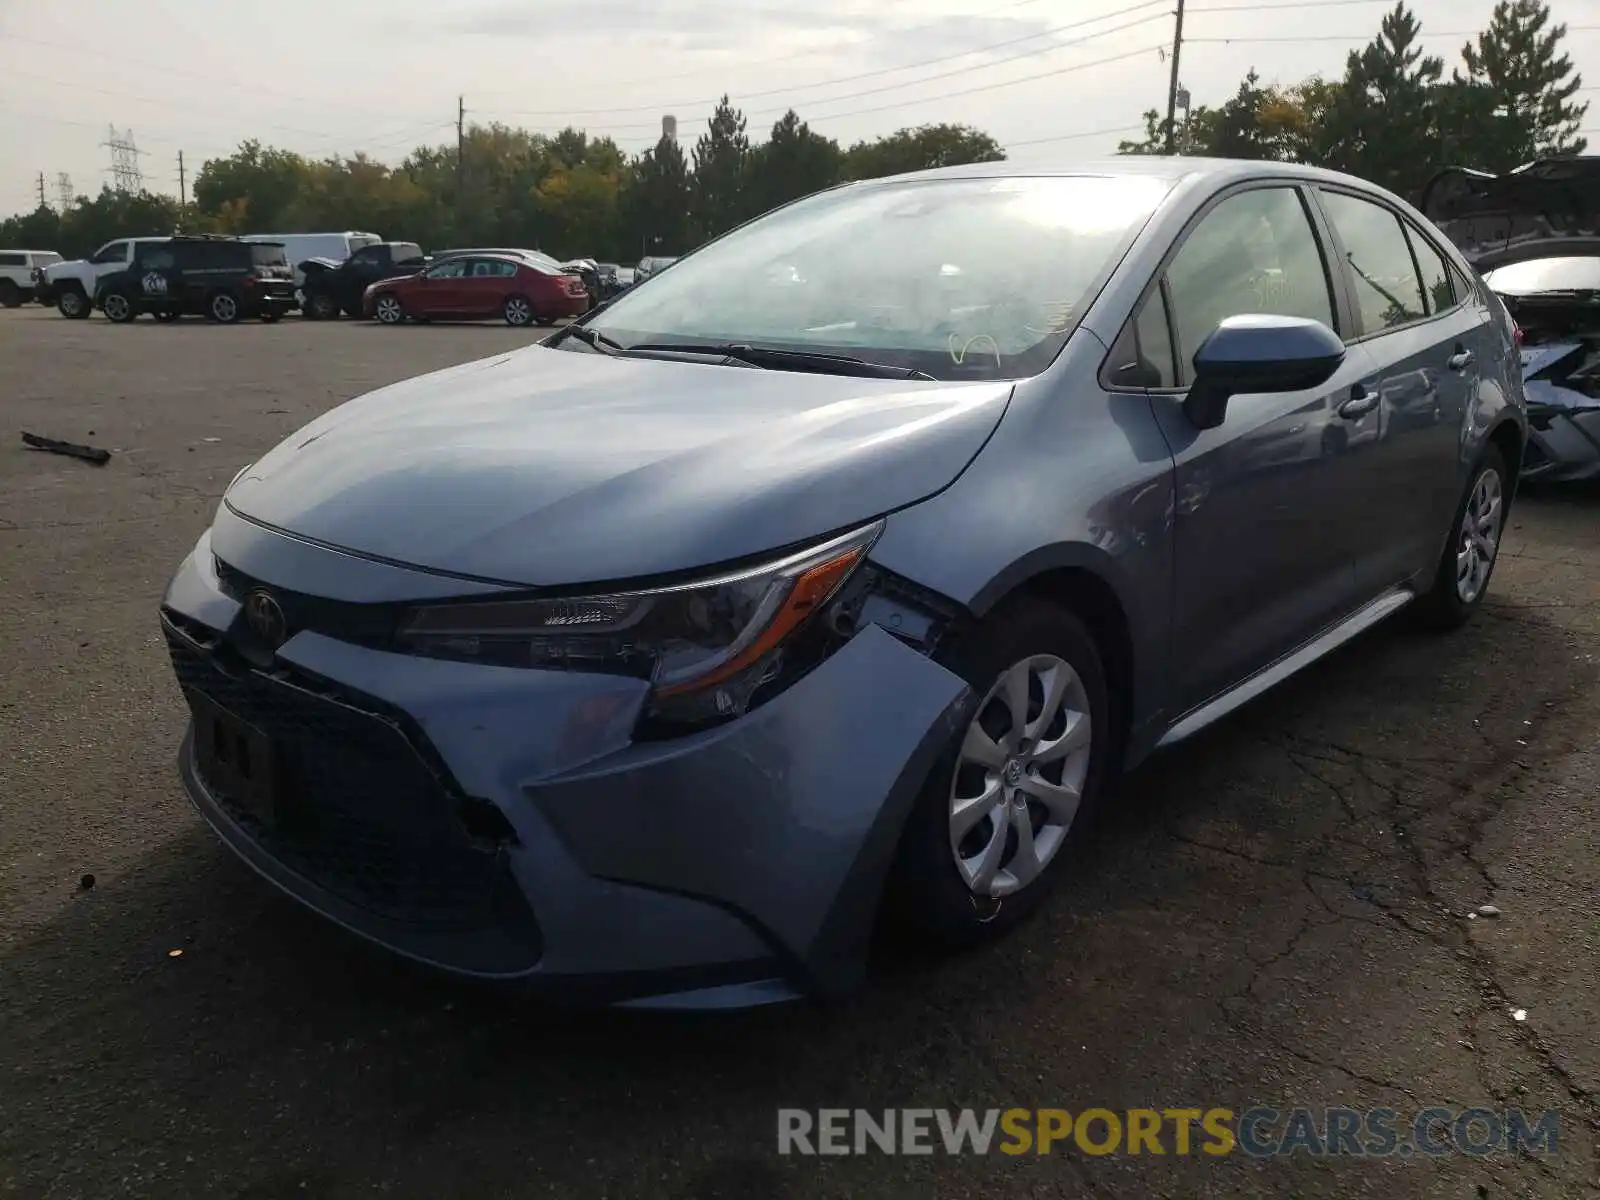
point(595, 340)
point(804, 360)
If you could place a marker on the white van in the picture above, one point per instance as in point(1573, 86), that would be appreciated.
point(297, 247)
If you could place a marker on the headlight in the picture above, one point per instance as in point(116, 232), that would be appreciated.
point(705, 646)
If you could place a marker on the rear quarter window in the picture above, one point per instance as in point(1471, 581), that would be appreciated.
point(268, 256)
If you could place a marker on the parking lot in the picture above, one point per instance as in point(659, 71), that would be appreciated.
point(1275, 913)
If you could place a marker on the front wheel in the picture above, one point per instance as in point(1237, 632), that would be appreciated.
point(118, 308)
point(320, 306)
point(988, 835)
point(389, 310)
point(1462, 577)
point(518, 312)
point(10, 294)
point(223, 307)
point(72, 304)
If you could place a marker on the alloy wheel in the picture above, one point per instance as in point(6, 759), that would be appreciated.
point(224, 308)
point(1020, 775)
point(389, 310)
point(116, 307)
point(71, 303)
point(1480, 536)
point(518, 312)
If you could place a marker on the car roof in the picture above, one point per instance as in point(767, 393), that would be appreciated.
point(1176, 168)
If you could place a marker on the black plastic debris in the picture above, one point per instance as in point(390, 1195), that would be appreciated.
point(89, 454)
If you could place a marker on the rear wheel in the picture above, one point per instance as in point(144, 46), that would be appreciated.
point(989, 834)
point(223, 307)
point(518, 311)
point(118, 308)
point(1462, 577)
point(10, 294)
point(389, 310)
point(72, 304)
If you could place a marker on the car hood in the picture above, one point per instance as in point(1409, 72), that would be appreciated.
point(1547, 207)
point(327, 264)
point(548, 467)
point(65, 265)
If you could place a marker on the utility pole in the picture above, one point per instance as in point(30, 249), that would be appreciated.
point(42, 203)
point(183, 191)
point(461, 138)
point(1172, 87)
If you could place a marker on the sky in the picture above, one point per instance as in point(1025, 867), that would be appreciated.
point(1053, 80)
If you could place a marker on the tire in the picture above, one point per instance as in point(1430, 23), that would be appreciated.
point(320, 306)
point(270, 316)
point(223, 308)
point(73, 304)
point(1462, 577)
point(518, 312)
point(949, 905)
point(10, 294)
point(118, 308)
point(388, 309)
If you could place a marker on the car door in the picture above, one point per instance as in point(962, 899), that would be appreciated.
point(482, 289)
point(1261, 561)
point(1425, 345)
point(439, 290)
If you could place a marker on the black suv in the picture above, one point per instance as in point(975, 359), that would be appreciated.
point(332, 287)
point(221, 278)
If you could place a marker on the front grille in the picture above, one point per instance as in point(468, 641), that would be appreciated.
point(364, 815)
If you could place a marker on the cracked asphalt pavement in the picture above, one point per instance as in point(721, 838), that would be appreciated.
point(1274, 913)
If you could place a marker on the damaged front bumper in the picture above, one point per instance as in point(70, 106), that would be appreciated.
point(502, 823)
point(1563, 434)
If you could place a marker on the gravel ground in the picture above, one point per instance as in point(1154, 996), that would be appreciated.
point(1274, 913)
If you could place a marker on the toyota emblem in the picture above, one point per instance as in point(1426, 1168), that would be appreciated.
point(265, 618)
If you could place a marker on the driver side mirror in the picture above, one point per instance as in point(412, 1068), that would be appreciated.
point(1258, 352)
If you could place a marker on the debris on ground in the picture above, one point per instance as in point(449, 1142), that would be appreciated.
point(86, 881)
point(1488, 910)
point(1519, 1014)
point(90, 454)
point(174, 953)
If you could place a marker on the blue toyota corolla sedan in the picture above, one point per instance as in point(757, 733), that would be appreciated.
point(836, 573)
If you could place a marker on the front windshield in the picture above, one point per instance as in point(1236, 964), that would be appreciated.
point(977, 278)
point(1567, 273)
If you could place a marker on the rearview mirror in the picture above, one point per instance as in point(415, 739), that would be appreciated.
point(1258, 352)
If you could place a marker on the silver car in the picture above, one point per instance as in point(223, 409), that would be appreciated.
point(837, 576)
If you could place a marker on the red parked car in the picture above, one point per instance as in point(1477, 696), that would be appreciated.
point(522, 290)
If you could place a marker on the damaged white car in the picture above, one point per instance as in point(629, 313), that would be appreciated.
point(1534, 235)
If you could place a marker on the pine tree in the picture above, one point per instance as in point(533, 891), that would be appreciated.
point(721, 161)
point(1518, 59)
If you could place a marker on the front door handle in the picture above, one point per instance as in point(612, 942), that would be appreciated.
point(1460, 360)
point(1362, 401)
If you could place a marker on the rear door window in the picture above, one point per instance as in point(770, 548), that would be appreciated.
point(1378, 261)
point(1436, 287)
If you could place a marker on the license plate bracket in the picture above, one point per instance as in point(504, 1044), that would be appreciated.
point(236, 759)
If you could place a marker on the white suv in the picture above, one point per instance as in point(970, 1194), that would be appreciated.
point(72, 284)
point(19, 274)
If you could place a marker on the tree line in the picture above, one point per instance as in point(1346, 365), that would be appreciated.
point(1393, 117)
point(568, 194)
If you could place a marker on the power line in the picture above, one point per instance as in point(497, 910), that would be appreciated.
point(801, 87)
point(1073, 137)
point(1172, 88)
point(1349, 37)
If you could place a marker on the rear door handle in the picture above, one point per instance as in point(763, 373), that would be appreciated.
point(1362, 401)
point(1459, 361)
